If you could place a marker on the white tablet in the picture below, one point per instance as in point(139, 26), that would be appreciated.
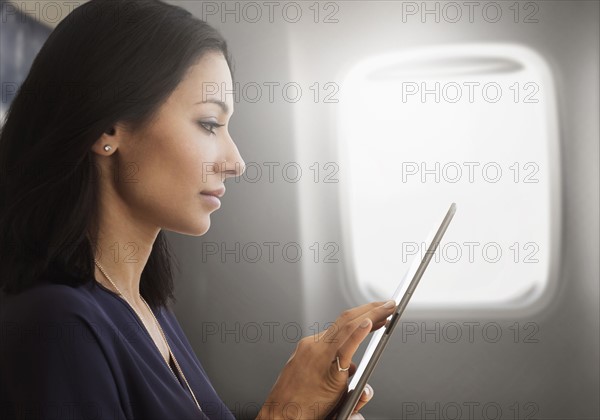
point(381, 337)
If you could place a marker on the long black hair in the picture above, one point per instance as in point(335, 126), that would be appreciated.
point(107, 61)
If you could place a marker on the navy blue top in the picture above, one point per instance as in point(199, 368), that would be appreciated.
point(82, 353)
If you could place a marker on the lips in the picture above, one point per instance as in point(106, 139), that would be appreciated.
point(215, 193)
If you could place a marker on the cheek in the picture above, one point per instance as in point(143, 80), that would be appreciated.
point(193, 164)
point(179, 169)
point(165, 171)
point(167, 191)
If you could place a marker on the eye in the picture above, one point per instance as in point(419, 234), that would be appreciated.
point(210, 126)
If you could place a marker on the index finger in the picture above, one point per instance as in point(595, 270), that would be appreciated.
point(351, 314)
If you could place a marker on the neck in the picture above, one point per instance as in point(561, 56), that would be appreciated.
point(123, 247)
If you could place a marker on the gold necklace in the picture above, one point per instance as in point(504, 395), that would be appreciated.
point(159, 328)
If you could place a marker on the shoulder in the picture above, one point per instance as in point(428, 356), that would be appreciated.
point(53, 353)
point(52, 323)
point(48, 302)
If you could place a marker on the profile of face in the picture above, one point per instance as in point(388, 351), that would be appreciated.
point(186, 150)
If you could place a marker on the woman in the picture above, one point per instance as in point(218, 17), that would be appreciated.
point(118, 133)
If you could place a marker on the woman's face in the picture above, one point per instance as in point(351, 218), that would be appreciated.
point(182, 152)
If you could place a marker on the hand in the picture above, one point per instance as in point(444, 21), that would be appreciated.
point(310, 385)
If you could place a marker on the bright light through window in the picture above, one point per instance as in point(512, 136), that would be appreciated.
point(471, 124)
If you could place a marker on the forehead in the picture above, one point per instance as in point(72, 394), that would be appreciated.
point(208, 79)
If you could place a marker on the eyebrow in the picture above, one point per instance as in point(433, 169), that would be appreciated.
point(222, 104)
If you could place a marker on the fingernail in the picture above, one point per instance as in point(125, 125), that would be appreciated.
point(368, 390)
point(366, 322)
point(389, 304)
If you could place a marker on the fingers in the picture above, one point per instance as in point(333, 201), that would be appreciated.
point(356, 416)
point(358, 311)
point(350, 335)
point(352, 370)
point(347, 350)
point(339, 331)
point(329, 335)
point(365, 397)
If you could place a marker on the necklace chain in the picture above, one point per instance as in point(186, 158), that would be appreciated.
point(159, 328)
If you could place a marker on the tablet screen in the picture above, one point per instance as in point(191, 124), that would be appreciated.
point(380, 337)
point(400, 291)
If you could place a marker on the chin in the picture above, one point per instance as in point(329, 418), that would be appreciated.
point(198, 229)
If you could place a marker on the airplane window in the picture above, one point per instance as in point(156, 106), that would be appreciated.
point(473, 124)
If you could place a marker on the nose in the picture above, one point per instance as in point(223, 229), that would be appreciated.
point(229, 169)
point(234, 166)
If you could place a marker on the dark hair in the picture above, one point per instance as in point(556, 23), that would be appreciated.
point(107, 61)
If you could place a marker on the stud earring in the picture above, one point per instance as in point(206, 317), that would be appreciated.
point(108, 148)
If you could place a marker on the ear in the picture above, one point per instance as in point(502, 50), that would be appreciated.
point(108, 142)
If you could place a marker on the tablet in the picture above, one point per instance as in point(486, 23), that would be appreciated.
point(381, 337)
